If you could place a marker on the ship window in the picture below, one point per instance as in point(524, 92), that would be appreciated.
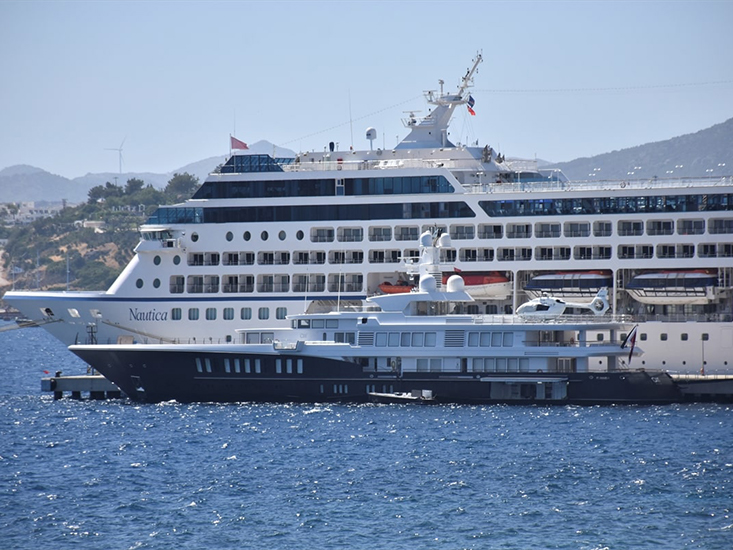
point(176, 260)
point(199, 368)
point(176, 313)
point(322, 235)
point(684, 336)
point(194, 237)
point(177, 284)
point(642, 336)
point(394, 339)
point(258, 366)
point(245, 313)
point(705, 337)
point(317, 323)
point(237, 366)
point(228, 313)
point(299, 366)
point(485, 339)
point(430, 338)
point(473, 339)
point(263, 313)
point(281, 312)
point(227, 365)
point(246, 235)
point(156, 260)
point(496, 339)
point(229, 236)
point(299, 235)
point(461, 232)
point(278, 366)
point(139, 283)
point(332, 323)
point(380, 233)
point(602, 229)
point(381, 340)
point(508, 339)
point(281, 235)
point(193, 314)
point(663, 337)
point(418, 339)
point(207, 361)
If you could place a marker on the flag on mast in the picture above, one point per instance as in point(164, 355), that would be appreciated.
point(237, 144)
point(471, 103)
point(630, 339)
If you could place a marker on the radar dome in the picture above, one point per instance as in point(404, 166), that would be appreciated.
point(371, 134)
point(426, 239)
point(455, 283)
point(428, 284)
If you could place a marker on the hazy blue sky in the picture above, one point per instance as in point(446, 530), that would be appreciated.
point(560, 80)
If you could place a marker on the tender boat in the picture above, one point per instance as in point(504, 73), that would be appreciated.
point(419, 397)
point(576, 285)
point(679, 287)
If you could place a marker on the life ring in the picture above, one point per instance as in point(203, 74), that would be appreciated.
point(623, 184)
point(393, 365)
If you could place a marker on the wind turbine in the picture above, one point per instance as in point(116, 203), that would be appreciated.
point(119, 150)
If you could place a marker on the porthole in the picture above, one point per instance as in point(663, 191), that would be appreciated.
point(156, 283)
point(246, 236)
point(176, 260)
point(281, 235)
point(139, 283)
point(299, 235)
point(230, 235)
point(156, 260)
point(194, 237)
point(264, 236)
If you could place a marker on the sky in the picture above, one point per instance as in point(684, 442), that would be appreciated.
point(172, 80)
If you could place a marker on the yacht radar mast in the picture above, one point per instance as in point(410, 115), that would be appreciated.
point(432, 130)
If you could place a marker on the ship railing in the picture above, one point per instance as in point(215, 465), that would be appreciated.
point(382, 164)
point(596, 185)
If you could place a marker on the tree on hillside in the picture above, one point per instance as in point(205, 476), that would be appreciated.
point(181, 186)
point(133, 186)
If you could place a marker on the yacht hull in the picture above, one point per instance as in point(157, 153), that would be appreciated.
point(154, 374)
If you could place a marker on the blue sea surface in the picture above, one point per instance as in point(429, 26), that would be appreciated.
point(120, 475)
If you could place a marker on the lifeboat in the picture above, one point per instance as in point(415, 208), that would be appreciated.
point(679, 287)
point(398, 288)
point(492, 285)
point(581, 286)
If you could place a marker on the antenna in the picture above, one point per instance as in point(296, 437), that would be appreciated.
point(119, 151)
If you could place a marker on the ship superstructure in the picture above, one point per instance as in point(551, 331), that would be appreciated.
point(267, 237)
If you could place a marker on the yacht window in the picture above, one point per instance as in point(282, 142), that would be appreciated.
point(228, 313)
point(176, 313)
point(193, 314)
point(263, 313)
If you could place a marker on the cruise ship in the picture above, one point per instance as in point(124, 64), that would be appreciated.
point(264, 238)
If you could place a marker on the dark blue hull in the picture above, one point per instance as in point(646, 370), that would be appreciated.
point(202, 376)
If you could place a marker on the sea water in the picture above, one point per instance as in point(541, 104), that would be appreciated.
point(120, 475)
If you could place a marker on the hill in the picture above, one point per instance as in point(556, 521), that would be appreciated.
point(23, 183)
point(708, 152)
